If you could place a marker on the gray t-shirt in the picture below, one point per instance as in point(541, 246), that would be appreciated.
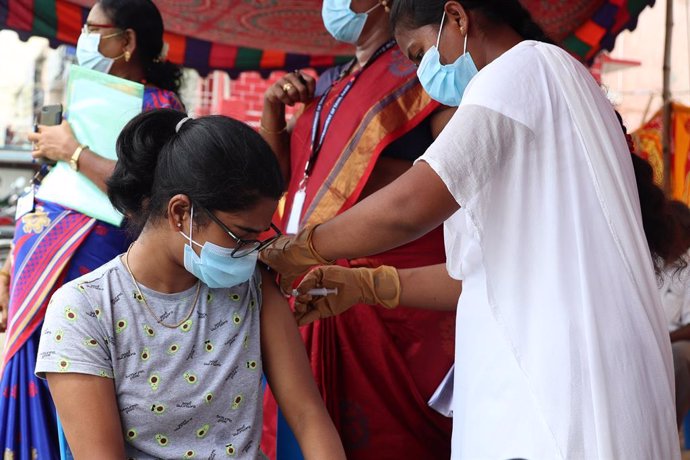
point(194, 391)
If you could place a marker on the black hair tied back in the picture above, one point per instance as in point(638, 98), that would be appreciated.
point(138, 148)
point(219, 163)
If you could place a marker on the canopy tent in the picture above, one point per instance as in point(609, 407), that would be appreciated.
point(267, 35)
point(648, 144)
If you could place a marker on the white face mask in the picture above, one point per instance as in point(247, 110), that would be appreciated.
point(88, 55)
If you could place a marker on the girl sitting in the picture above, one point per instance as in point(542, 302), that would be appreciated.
point(160, 352)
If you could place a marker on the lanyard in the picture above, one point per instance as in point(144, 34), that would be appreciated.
point(316, 144)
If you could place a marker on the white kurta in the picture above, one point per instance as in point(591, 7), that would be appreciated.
point(561, 343)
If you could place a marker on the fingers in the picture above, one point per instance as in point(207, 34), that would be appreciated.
point(294, 87)
point(311, 280)
point(308, 81)
point(34, 137)
point(274, 250)
point(303, 303)
point(36, 152)
point(286, 283)
point(269, 255)
point(3, 316)
point(308, 318)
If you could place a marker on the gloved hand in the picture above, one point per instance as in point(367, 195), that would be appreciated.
point(371, 286)
point(292, 256)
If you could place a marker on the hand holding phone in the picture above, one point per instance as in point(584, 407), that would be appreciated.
point(50, 115)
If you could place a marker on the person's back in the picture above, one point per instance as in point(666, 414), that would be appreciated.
point(585, 301)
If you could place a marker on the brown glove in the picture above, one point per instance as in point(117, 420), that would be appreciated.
point(292, 257)
point(371, 286)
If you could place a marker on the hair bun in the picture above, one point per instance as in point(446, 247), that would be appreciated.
point(138, 148)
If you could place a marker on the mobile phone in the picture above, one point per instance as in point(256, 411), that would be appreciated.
point(50, 115)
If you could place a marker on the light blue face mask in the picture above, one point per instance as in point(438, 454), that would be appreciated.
point(341, 22)
point(446, 83)
point(215, 267)
point(87, 51)
point(88, 55)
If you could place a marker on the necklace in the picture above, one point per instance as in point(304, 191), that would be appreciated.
point(146, 304)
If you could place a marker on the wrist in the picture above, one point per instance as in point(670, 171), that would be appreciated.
point(314, 252)
point(69, 149)
point(385, 284)
point(273, 112)
point(76, 156)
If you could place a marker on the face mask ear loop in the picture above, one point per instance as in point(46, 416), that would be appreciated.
point(440, 29)
point(372, 8)
point(464, 51)
point(191, 225)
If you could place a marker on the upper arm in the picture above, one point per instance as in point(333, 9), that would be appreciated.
point(440, 118)
point(284, 357)
point(87, 408)
point(289, 375)
point(75, 357)
point(429, 287)
point(411, 194)
point(73, 338)
point(476, 143)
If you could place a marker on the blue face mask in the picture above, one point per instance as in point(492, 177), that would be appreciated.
point(215, 267)
point(341, 22)
point(446, 83)
point(87, 51)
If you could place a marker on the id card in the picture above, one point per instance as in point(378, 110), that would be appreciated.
point(25, 204)
point(296, 211)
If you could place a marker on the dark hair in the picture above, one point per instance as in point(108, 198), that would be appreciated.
point(681, 218)
point(413, 14)
point(143, 17)
point(664, 238)
point(219, 163)
point(681, 213)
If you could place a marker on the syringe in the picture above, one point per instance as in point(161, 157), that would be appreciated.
point(316, 292)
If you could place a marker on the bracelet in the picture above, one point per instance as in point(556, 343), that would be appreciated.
point(268, 131)
point(5, 273)
point(74, 161)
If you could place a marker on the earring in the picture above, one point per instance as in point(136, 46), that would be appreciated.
point(128, 56)
point(179, 224)
point(384, 3)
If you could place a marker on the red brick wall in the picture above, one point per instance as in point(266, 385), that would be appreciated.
point(247, 96)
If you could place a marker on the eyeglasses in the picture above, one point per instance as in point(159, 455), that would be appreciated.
point(92, 28)
point(244, 247)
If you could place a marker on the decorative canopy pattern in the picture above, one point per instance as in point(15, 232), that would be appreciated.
point(268, 35)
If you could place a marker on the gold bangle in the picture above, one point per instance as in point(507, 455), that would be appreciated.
point(5, 273)
point(268, 131)
point(74, 161)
